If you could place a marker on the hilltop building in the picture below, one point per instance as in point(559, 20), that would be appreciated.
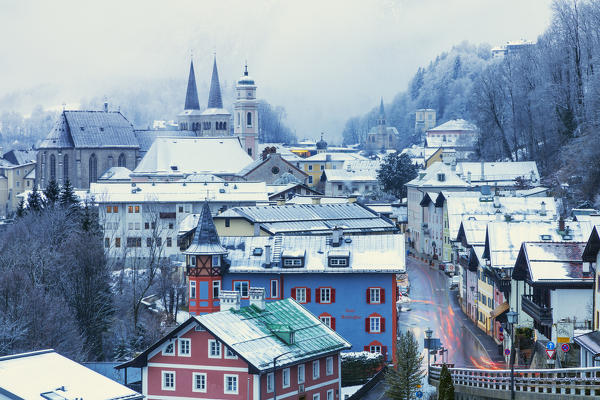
point(382, 137)
point(425, 119)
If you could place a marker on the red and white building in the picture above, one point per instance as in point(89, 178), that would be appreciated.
point(231, 354)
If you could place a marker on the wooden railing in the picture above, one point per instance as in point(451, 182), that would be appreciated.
point(584, 382)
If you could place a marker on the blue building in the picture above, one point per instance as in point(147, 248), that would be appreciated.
point(348, 282)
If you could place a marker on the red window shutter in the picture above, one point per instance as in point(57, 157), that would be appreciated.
point(367, 348)
point(382, 324)
point(367, 325)
point(318, 295)
point(368, 296)
point(332, 295)
point(294, 293)
point(307, 295)
point(333, 323)
point(382, 295)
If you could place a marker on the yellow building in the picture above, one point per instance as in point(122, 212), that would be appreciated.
point(315, 165)
point(485, 301)
point(14, 167)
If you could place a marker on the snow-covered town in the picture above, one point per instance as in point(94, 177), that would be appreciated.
point(212, 220)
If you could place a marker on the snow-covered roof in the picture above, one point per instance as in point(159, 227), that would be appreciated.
point(438, 175)
point(354, 171)
point(178, 191)
point(304, 199)
point(116, 174)
point(20, 157)
point(368, 253)
point(491, 172)
point(328, 156)
point(544, 262)
point(47, 374)
point(437, 141)
point(215, 111)
point(186, 155)
point(454, 125)
point(474, 231)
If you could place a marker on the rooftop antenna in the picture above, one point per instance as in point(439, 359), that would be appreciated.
point(246, 68)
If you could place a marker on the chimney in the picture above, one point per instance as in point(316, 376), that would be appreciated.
point(268, 254)
point(316, 200)
point(543, 208)
point(352, 198)
point(586, 268)
point(469, 177)
point(229, 299)
point(482, 171)
point(336, 237)
point(257, 297)
point(561, 224)
point(496, 201)
point(106, 106)
point(256, 229)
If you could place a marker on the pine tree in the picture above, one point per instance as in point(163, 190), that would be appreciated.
point(446, 388)
point(67, 195)
point(34, 200)
point(403, 379)
point(21, 209)
point(395, 171)
point(52, 192)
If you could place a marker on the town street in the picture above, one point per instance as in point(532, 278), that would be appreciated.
point(435, 306)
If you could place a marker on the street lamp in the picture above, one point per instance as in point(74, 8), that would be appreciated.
point(428, 334)
point(512, 318)
point(274, 371)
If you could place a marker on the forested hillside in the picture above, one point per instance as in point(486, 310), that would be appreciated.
point(542, 103)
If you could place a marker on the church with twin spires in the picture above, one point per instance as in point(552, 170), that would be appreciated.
point(215, 120)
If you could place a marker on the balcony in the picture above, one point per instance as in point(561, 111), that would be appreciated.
point(541, 314)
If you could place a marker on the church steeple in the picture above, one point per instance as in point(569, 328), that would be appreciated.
point(214, 96)
point(381, 117)
point(206, 239)
point(191, 95)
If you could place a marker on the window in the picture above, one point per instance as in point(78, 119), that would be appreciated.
point(227, 222)
point(93, 169)
point(322, 167)
point(216, 261)
point(137, 209)
point(121, 160)
point(199, 382)
point(326, 319)
point(310, 179)
point(374, 324)
point(216, 286)
point(148, 242)
point(310, 167)
point(117, 242)
point(52, 167)
point(169, 349)
point(192, 261)
point(108, 209)
point(214, 349)
point(302, 295)
point(301, 376)
point(170, 225)
point(316, 396)
point(338, 262)
point(115, 209)
point(329, 366)
point(65, 167)
point(274, 288)
point(285, 378)
point(168, 380)
point(292, 262)
point(185, 347)
point(375, 348)
point(169, 242)
point(375, 296)
point(130, 226)
point(315, 369)
point(229, 354)
point(130, 209)
point(192, 289)
point(249, 119)
point(270, 382)
point(242, 287)
point(340, 187)
point(326, 295)
point(330, 394)
point(231, 384)
point(180, 209)
point(158, 242)
point(137, 226)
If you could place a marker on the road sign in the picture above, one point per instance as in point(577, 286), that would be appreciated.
point(501, 329)
point(565, 347)
point(564, 332)
point(550, 346)
point(550, 353)
point(507, 352)
point(501, 336)
point(419, 394)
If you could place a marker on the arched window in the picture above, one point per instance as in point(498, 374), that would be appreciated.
point(224, 126)
point(52, 167)
point(121, 162)
point(93, 168)
point(65, 167)
point(218, 126)
point(238, 119)
point(249, 119)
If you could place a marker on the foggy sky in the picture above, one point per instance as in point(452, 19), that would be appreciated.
point(324, 61)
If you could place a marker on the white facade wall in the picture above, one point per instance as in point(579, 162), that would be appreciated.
point(571, 303)
point(343, 188)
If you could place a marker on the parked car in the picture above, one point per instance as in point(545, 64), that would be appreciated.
point(454, 282)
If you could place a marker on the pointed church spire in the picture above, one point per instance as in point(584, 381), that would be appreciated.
point(206, 239)
point(191, 95)
point(214, 96)
point(381, 119)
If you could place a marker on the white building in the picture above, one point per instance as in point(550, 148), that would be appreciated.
point(355, 177)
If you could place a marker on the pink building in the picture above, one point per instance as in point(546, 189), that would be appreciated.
point(231, 354)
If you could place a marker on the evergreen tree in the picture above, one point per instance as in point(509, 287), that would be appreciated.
point(52, 192)
point(446, 388)
point(21, 209)
point(34, 200)
point(67, 195)
point(395, 171)
point(403, 379)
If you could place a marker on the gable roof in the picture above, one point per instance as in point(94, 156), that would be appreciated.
point(252, 334)
point(592, 246)
point(146, 137)
point(28, 375)
point(430, 177)
point(186, 155)
point(20, 157)
point(91, 129)
point(454, 125)
point(270, 158)
point(206, 239)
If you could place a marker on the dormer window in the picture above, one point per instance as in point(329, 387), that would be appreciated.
point(292, 258)
point(216, 261)
point(441, 177)
point(338, 258)
point(292, 262)
point(338, 262)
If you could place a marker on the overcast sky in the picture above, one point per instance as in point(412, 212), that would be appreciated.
point(324, 61)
